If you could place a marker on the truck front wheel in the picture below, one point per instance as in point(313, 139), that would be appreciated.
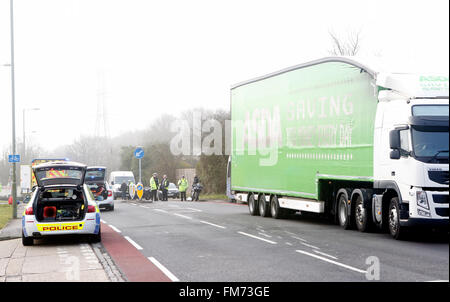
point(396, 230)
point(252, 205)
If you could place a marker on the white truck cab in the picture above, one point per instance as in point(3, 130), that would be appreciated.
point(411, 150)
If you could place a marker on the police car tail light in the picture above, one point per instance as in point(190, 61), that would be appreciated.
point(91, 209)
point(109, 193)
point(29, 211)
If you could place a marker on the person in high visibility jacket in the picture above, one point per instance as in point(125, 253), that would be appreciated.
point(182, 187)
point(154, 184)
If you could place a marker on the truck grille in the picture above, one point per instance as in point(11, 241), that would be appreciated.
point(441, 198)
point(441, 177)
point(442, 212)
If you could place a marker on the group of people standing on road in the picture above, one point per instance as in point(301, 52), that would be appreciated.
point(163, 186)
point(155, 185)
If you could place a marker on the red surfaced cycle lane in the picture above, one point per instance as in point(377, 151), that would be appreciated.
point(135, 266)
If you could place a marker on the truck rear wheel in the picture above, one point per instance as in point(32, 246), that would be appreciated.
point(264, 210)
point(362, 216)
point(342, 212)
point(275, 210)
point(253, 205)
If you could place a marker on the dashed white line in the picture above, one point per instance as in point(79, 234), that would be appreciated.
point(160, 210)
point(216, 225)
point(145, 207)
point(163, 269)
point(311, 246)
point(103, 221)
point(298, 238)
point(196, 210)
point(115, 229)
point(182, 216)
point(325, 254)
point(268, 236)
point(256, 237)
point(288, 243)
point(332, 261)
point(137, 246)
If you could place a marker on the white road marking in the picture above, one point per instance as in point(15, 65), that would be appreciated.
point(256, 237)
point(216, 225)
point(160, 210)
point(332, 261)
point(288, 243)
point(182, 216)
point(324, 254)
point(196, 210)
point(268, 236)
point(438, 281)
point(298, 238)
point(103, 221)
point(309, 245)
point(115, 229)
point(137, 246)
point(133, 204)
point(145, 207)
point(163, 269)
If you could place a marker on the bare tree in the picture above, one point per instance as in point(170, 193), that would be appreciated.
point(348, 46)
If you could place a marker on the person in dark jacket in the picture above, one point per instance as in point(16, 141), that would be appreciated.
point(123, 189)
point(164, 187)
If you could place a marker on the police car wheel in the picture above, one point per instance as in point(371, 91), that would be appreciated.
point(111, 208)
point(96, 237)
point(27, 241)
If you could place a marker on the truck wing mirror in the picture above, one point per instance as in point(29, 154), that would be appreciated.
point(394, 139)
point(395, 154)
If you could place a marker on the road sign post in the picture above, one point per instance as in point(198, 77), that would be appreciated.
point(139, 154)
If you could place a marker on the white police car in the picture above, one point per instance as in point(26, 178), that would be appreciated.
point(61, 204)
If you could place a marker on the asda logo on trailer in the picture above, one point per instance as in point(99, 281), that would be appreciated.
point(434, 78)
point(433, 83)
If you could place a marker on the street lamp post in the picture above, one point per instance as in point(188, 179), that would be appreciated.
point(13, 183)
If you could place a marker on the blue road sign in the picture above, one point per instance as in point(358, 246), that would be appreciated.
point(15, 158)
point(139, 152)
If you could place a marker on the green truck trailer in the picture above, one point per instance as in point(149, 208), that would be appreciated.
point(339, 137)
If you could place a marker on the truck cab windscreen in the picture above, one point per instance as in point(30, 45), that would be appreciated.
point(430, 144)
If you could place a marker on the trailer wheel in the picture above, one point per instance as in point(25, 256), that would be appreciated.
point(264, 210)
point(253, 205)
point(396, 230)
point(362, 215)
point(342, 210)
point(275, 210)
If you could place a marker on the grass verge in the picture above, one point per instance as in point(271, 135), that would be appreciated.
point(213, 197)
point(5, 214)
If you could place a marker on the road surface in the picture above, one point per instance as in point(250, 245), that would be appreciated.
point(218, 241)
